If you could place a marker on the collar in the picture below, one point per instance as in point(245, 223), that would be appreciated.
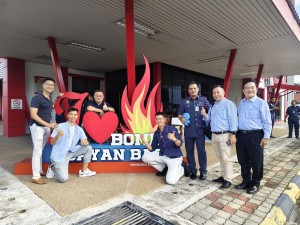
point(192, 98)
point(251, 99)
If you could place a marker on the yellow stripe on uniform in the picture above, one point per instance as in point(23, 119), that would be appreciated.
point(275, 217)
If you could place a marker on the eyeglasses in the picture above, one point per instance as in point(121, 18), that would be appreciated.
point(99, 96)
point(51, 85)
point(248, 88)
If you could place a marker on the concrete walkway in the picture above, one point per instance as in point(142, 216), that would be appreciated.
point(187, 202)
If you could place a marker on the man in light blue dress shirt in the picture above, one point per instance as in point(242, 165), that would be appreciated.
point(65, 147)
point(254, 130)
point(223, 121)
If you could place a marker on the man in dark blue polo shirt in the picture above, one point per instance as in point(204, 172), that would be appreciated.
point(99, 105)
point(169, 158)
point(40, 111)
point(293, 113)
point(194, 133)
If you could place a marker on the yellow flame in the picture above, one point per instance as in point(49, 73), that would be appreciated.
point(139, 122)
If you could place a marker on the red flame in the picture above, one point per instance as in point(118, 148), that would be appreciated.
point(139, 119)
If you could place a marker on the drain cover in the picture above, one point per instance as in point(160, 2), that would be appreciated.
point(125, 213)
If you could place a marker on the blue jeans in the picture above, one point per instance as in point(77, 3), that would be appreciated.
point(190, 150)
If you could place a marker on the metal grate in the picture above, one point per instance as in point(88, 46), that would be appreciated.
point(125, 214)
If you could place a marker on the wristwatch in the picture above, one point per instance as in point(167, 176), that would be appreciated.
point(233, 132)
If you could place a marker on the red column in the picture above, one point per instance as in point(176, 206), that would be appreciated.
point(278, 88)
point(13, 97)
point(131, 82)
point(156, 79)
point(229, 70)
point(259, 73)
point(56, 65)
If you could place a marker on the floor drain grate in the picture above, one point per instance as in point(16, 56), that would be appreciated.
point(125, 213)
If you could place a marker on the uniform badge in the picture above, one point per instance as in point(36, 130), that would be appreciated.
point(187, 102)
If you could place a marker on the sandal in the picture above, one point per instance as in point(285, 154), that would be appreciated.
point(39, 181)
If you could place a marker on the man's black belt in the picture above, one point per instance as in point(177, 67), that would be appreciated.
point(221, 132)
point(249, 131)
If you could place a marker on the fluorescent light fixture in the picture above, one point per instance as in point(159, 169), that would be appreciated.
point(248, 73)
point(48, 58)
point(139, 27)
point(84, 46)
point(213, 58)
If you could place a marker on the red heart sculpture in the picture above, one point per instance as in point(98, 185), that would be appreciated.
point(100, 129)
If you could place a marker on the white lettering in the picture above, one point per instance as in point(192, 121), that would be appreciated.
point(94, 154)
point(106, 155)
point(135, 154)
point(128, 139)
point(116, 139)
point(119, 154)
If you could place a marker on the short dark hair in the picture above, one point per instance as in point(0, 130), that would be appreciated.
point(48, 78)
point(218, 86)
point(193, 82)
point(71, 109)
point(160, 114)
point(294, 101)
point(249, 81)
point(98, 90)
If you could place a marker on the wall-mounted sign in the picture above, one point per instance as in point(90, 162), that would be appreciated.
point(16, 104)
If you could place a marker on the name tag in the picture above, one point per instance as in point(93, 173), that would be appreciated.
point(197, 108)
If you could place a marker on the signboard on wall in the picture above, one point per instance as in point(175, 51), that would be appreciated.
point(16, 104)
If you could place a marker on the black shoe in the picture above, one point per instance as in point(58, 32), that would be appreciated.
point(193, 176)
point(242, 185)
point(202, 176)
point(163, 172)
point(226, 184)
point(289, 136)
point(186, 169)
point(297, 137)
point(252, 189)
point(219, 180)
point(272, 136)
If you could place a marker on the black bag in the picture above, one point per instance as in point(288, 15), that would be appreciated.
point(207, 131)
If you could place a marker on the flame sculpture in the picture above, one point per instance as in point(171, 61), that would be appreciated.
point(138, 119)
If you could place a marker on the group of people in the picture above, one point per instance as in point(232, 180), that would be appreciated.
point(65, 136)
point(248, 126)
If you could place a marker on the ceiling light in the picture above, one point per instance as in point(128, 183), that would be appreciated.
point(213, 58)
point(139, 27)
point(84, 46)
point(248, 73)
point(46, 57)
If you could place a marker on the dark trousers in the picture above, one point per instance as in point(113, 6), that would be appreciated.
point(250, 156)
point(293, 122)
point(273, 121)
point(190, 151)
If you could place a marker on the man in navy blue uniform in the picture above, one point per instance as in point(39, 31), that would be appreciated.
point(293, 113)
point(194, 133)
point(99, 105)
point(273, 109)
point(169, 158)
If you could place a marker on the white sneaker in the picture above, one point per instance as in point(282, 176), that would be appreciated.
point(86, 173)
point(50, 172)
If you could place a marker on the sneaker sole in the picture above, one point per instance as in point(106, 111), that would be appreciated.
point(90, 175)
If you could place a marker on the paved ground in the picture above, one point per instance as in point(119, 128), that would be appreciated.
point(187, 202)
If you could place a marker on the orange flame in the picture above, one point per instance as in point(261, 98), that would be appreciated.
point(138, 119)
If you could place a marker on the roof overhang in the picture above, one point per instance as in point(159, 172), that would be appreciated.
point(195, 35)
